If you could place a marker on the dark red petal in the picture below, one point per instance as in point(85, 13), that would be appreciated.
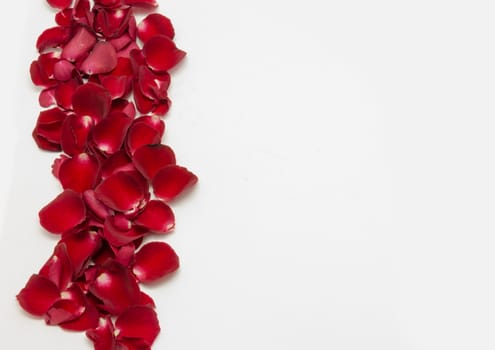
point(45, 144)
point(81, 246)
point(147, 4)
point(146, 300)
point(64, 92)
point(58, 268)
point(153, 85)
point(92, 100)
point(109, 134)
point(102, 336)
point(138, 322)
point(171, 181)
point(79, 45)
point(155, 260)
point(102, 59)
point(59, 4)
point(143, 104)
point(64, 311)
point(117, 235)
point(75, 131)
point(88, 320)
point(115, 286)
point(161, 107)
point(79, 173)
point(38, 295)
point(52, 37)
point(64, 17)
point(63, 70)
point(132, 344)
point(149, 159)
point(121, 42)
point(47, 97)
point(161, 54)
point(118, 161)
point(157, 217)
point(66, 211)
point(49, 124)
point(125, 254)
point(122, 105)
point(96, 207)
point(146, 130)
point(121, 192)
point(155, 24)
point(57, 163)
point(117, 86)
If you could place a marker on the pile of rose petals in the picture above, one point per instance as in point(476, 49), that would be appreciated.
point(104, 81)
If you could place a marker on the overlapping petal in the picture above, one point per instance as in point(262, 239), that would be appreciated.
point(70, 204)
point(150, 159)
point(38, 295)
point(121, 192)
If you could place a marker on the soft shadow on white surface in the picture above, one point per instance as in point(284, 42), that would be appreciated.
point(344, 151)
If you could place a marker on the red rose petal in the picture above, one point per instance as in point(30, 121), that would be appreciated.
point(153, 85)
point(115, 286)
point(102, 59)
point(79, 173)
point(157, 217)
point(66, 211)
point(146, 130)
point(155, 260)
point(96, 207)
point(171, 181)
point(64, 92)
point(88, 320)
point(120, 192)
point(118, 161)
point(64, 17)
point(102, 336)
point(38, 295)
point(63, 311)
point(75, 131)
point(59, 4)
point(52, 37)
point(81, 246)
point(117, 235)
point(47, 97)
point(161, 54)
point(155, 24)
point(149, 159)
point(79, 45)
point(58, 268)
point(92, 100)
point(146, 300)
point(138, 322)
point(143, 104)
point(122, 105)
point(63, 70)
point(109, 134)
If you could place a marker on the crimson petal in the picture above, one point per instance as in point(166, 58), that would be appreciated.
point(92, 100)
point(161, 54)
point(94, 204)
point(145, 130)
point(149, 159)
point(59, 4)
point(120, 192)
point(52, 37)
point(119, 236)
point(79, 45)
point(115, 286)
point(138, 322)
point(109, 134)
point(155, 260)
point(155, 24)
point(102, 336)
point(75, 131)
point(157, 217)
point(171, 181)
point(81, 246)
point(102, 59)
point(62, 70)
point(79, 173)
point(38, 295)
point(58, 268)
point(118, 161)
point(66, 211)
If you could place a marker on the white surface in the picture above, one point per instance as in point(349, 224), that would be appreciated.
point(345, 153)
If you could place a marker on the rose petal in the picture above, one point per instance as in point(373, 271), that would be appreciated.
point(63, 70)
point(109, 134)
point(92, 100)
point(38, 295)
point(118, 161)
point(102, 59)
point(155, 24)
point(120, 192)
point(157, 217)
point(47, 97)
point(79, 45)
point(146, 130)
point(117, 235)
point(66, 211)
point(102, 336)
point(161, 54)
point(64, 92)
point(63, 311)
point(153, 85)
point(52, 37)
point(58, 268)
point(64, 17)
point(143, 104)
point(59, 4)
point(115, 286)
point(79, 173)
point(81, 246)
point(149, 159)
point(88, 320)
point(146, 300)
point(75, 132)
point(155, 260)
point(123, 105)
point(98, 208)
point(171, 181)
point(138, 322)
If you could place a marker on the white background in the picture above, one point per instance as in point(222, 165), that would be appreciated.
point(345, 154)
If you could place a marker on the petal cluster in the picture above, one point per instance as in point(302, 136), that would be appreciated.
point(104, 80)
